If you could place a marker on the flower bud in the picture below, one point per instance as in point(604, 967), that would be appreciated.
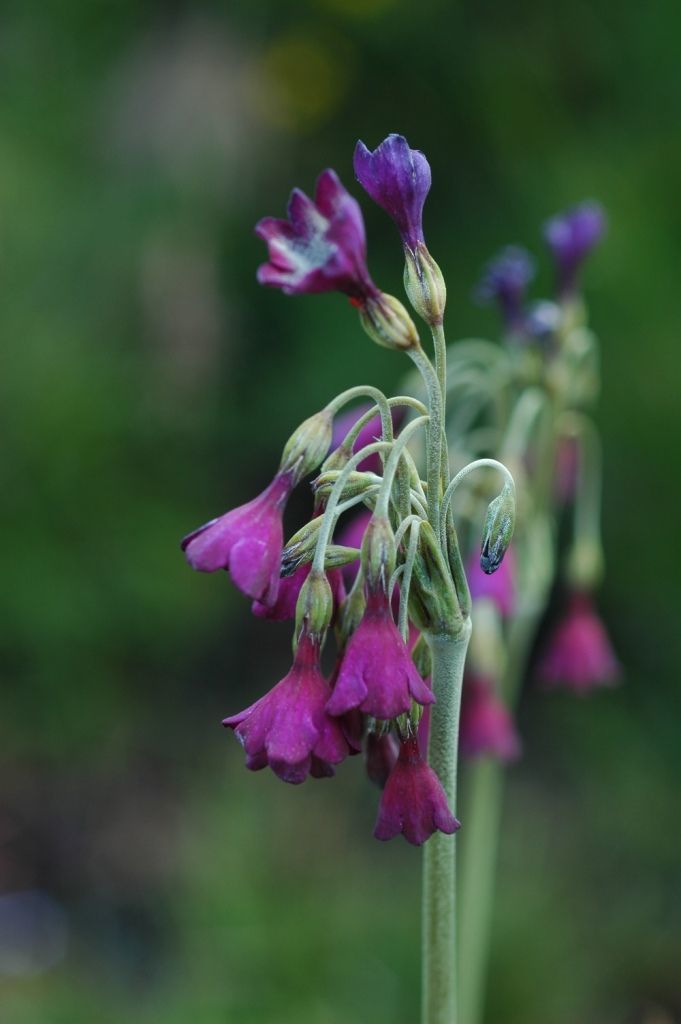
point(425, 285)
point(378, 553)
point(300, 548)
point(350, 615)
point(307, 445)
point(584, 568)
point(314, 609)
point(498, 530)
point(420, 655)
point(433, 604)
point(356, 483)
point(387, 322)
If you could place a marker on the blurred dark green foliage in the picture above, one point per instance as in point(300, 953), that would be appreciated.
point(147, 384)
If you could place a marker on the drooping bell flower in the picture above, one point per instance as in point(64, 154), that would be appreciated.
point(579, 655)
point(498, 587)
point(380, 755)
point(247, 541)
point(321, 247)
point(504, 281)
point(398, 179)
point(289, 729)
point(486, 726)
point(284, 607)
point(377, 674)
point(413, 802)
point(571, 236)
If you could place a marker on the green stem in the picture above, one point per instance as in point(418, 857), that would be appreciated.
point(439, 988)
point(435, 433)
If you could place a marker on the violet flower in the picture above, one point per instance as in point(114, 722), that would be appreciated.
point(504, 281)
point(413, 801)
point(486, 726)
point(284, 607)
point(289, 729)
point(498, 587)
point(398, 179)
point(380, 756)
point(571, 236)
point(579, 655)
point(247, 541)
point(377, 674)
point(321, 247)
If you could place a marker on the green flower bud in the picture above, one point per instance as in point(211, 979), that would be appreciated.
point(314, 608)
point(300, 548)
point(584, 568)
point(498, 530)
point(387, 322)
point(433, 605)
point(350, 613)
point(425, 285)
point(356, 483)
point(420, 655)
point(307, 445)
point(378, 553)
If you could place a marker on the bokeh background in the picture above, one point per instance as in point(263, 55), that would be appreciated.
point(147, 383)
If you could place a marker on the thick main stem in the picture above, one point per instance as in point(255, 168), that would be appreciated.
point(439, 988)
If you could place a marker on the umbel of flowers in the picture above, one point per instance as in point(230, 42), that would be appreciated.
point(389, 569)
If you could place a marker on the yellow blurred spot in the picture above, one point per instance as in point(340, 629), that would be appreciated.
point(301, 81)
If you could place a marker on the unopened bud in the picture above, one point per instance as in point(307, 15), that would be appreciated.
point(307, 445)
point(314, 608)
point(350, 614)
point(378, 553)
point(425, 285)
point(420, 655)
point(498, 530)
point(387, 322)
point(300, 548)
point(584, 569)
point(355, 484)
point(433, 605)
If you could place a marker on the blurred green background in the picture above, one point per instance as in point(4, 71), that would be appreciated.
point(147, 384)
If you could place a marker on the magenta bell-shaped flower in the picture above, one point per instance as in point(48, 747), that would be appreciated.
point(398, 179)
point(321, 247)
point(486, 726)
point(247, 541)
point(377, 674)
point(579, 655)
point(413, 801)
point(284, 607)
point(571, 236)
point(498, 587)
point(289, 729)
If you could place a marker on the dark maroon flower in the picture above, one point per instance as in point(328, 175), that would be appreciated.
point(377, 674)
point(579, 655)
point(486, 726)
point(321, 247)
point(289, 588)
point(247, 541)
point(289, 729)
point(380, 756)
point(499, 587)
point(571, 236)
point(504, 281)
point(398, 179)
point(413, 801)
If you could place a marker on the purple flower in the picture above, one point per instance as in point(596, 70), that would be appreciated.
point(499, 587)
point(504, 281)
point(380, 756)
point(289, 729)
point(570, 237)
point(486, 725)
point(579, 655)
point(413, 801)
point(377, 674)
point(398, 179)
point(289, 588)
point(247, 541)
point(321, 247)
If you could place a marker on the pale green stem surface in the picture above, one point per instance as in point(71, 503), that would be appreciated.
point(439, 983)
